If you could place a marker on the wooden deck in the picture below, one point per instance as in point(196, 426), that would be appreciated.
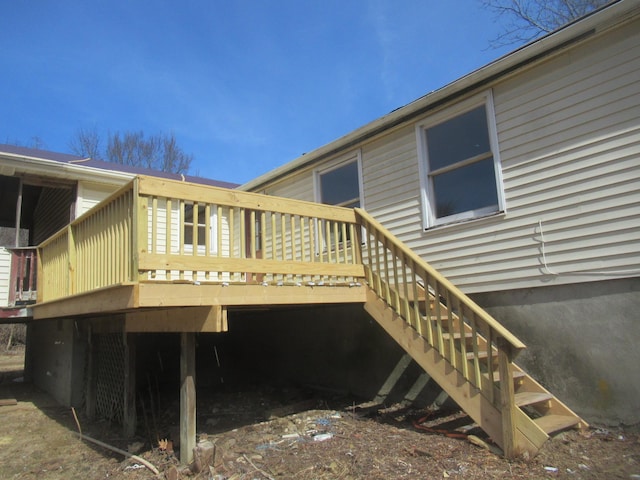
point(166, 256)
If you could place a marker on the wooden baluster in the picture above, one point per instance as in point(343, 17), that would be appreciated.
point(463, 339)
point(345, 242)
point(474, 340)
point(396, 282)
point(181, 236)
point(387, 280)
point(429, 308)
point(405, 287)
point(219, 233)
point(452, 348)
point(488, 381)
point(438, 308)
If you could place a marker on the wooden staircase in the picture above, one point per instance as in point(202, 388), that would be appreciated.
point(465, 350)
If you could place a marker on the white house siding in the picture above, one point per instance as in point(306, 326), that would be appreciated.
point(569, 140)
point(299, 187)
point(392, 183)
point(90, 194)
point(5, 273)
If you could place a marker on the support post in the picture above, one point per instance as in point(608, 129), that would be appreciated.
point(187, 396)
point(129, 414)
point(507, 403)
point(90, 394)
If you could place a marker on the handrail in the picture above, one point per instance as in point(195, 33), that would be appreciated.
point(92, 252)
point(427, 301)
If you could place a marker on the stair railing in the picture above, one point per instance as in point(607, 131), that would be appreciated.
point(472, 341)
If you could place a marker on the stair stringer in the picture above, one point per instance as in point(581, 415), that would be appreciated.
point(528, 436)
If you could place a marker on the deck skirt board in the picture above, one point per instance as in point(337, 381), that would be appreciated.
point(131, 297)
point(166, 295)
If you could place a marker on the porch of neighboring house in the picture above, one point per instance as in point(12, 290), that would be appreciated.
point(164, 256)
point(22, 284)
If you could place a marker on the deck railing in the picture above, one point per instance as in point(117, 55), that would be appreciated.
point(157, 230)
point(472, 341)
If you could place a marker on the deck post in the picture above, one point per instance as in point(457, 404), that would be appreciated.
point(187, 396)
point(507, 405)
point(129, 413)
point(90, 394)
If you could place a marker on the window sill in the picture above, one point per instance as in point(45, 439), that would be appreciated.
point(466, 221)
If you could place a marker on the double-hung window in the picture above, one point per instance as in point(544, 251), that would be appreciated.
point(339, 184)
point(460, 166)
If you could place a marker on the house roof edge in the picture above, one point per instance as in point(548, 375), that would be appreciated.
point(602, 19)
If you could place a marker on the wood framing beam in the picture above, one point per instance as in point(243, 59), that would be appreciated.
point(179, 319)
point(104, 300)
point(176, 295)
point(187, 396)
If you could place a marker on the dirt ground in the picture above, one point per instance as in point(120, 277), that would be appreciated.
point(286, 433)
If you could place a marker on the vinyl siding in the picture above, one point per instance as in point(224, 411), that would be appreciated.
point(5, 273)
point(299, 187)
point(90, 194)
point(569, 142)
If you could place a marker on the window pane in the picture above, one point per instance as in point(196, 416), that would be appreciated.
point(340, 185)
point(468, 188)
point(457, 139)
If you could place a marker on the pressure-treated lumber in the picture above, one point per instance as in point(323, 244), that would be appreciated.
point(187, 396)
point(181, 319)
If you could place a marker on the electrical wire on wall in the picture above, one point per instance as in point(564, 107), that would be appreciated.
point(547, 269)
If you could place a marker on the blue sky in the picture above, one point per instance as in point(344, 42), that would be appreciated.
point(245, 86)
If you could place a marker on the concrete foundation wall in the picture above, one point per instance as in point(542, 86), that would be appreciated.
point(56, 360)
point(582, 343)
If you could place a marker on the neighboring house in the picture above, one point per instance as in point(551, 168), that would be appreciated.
point(520, 182)
point(40, 193)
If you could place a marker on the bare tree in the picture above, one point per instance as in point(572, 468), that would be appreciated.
point(158, 152)
point(34, 142)
point(528, 19)
point(86, 143)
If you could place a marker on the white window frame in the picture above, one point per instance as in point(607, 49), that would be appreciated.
point(429, 219)
point(213, 232)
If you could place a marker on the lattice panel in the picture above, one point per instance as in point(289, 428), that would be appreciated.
point(110, 376)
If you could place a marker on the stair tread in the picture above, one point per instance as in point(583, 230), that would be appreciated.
point(529, 398)
point(516, 374)
point(555, 423)
point(481, 354)
point(456, 336)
